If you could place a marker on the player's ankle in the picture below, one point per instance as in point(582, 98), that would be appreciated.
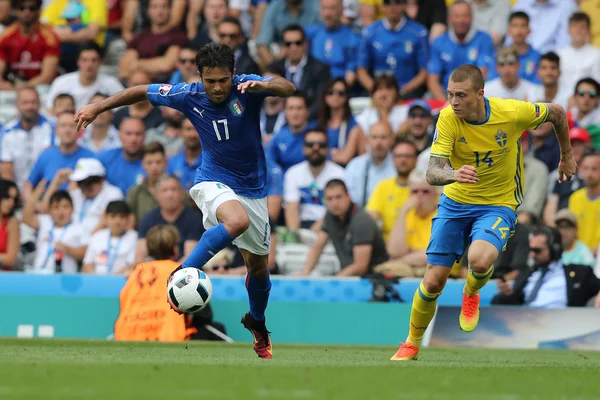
point(471, 292)
point(414, 341)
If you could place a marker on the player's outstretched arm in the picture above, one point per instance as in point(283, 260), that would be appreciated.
point(278, 86)
point(438, 175)
point(567, 166)
point(87, 114)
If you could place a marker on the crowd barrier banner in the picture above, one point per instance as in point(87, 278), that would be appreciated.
point(520, 328)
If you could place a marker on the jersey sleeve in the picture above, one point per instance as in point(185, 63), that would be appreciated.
point(423, 49)
point(443, 138)
point(530, 115)
point(435, 64)
point(173, 96)
point(363, 59)
point(291, 192)
point(6, 149)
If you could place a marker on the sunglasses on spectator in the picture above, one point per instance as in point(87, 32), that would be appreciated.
point(295, 42)
point(341, 93)
point(424, 191)
point(536, 250)
point(418, 115)
point(30, 8)
point(321, 145)
point(229, 35)
point(592, 93)
point(502, 60)
point(187, 60)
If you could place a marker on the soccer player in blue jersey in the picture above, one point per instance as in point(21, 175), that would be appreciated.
point(480, 138)
point(231, 184)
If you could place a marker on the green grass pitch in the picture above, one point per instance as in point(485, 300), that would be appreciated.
point(72, 369)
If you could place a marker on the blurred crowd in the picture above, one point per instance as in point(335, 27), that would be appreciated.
point(346, 154)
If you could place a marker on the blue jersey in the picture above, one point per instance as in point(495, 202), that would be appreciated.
point(232, 151)
point(447, 54)
point(186, 173)
point(121, 172)
point(52, 160)
point(335, 47)
point(528, 66)
point(401, 52)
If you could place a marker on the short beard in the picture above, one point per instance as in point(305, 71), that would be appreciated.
point(316, 162)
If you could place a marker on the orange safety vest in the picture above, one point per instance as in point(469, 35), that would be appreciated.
point(145, 313)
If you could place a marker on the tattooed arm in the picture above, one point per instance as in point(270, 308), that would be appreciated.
point(567, 166)
point(437, 175)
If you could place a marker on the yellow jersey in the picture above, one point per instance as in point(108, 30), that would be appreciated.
point(94, 11)
point(387, 199)
point(588, 217)
point(493, 147)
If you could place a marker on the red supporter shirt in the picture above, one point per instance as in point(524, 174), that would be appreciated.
point(24, 54)
point(150, 45)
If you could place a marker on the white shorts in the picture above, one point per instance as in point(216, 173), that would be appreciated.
point(210, 195)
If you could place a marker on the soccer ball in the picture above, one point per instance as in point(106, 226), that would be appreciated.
point(189, 290)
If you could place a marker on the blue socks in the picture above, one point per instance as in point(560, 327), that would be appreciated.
point(258, 294)
point(213, 240)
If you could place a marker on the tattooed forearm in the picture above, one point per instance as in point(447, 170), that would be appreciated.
point(558, 117)
point(437, 175)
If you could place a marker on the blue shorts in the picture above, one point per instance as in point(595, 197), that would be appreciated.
point(456, 225)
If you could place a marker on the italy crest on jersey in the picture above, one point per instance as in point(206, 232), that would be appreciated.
point(236, 107)
point(529, 67)
point(501, 138)
point(408, 47)
point(473, 54)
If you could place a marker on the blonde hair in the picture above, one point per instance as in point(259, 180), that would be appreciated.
point(417, 177)
point(162, 242)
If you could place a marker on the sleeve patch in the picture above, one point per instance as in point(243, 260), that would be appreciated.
point(164, 89)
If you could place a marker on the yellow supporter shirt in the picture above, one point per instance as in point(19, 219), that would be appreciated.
point(97, 12)
point(588, 217)
point(387, 199)
point(493, 147)
point(418, 230)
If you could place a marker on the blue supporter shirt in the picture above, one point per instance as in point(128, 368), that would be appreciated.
point(285, 148)
point(447, 53)
point(528, 66)
point(400, 52)
point(335, 47)
point(232, 151)
point(186, 173)
point(120, 172)
point(274, 179)
point(52, 160)
point(334, 134)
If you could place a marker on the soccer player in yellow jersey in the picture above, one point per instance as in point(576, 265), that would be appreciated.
point(480, 139)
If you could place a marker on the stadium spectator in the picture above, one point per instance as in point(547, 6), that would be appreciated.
point(575, 251)
point(29, 50)
point(579, 59)
point(462, 44)
point(84, 83)
point(9, 226)
point(432, 14)
point(549, 91)
point(346, 139)
point(184, 164)
point(124, 165)
point(302, 69)
point(334, 43)
point(91, 195)
point(278, 16)
point(214, 11)
point(62, 103)
point(590, 7)
point(274, 193)
point(585, 202)
point(171, 211)
point(167, 134)
point(142, 197)
point(57, 159)
point(395, 46)
point(391, 194)
point(418, 128)
point(186, 66)
point(411, 231)
point(558, 197)
point(155, 50)
point(536, 189)
point(549, 21)
point(112, 250)
point(101, 134)
point(385, 107)
point(25, 138)
point(491, 16)
point(364, 172)
point(518, 32)
point(151, 116)
point(76, 23)
point(7, 17)
point(508, 85)
point(272, 117)
point(136, 17)
point(303, 184)
point(285, 148)
point(586, 112)
point(231, 34)
point(544, 145)
point(355, 236)
point(550, 283)
point(60, 244)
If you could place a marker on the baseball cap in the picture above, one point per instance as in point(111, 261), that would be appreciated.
point(86, 168)
point(580, 134)
point(566, 215)
point(421, 104)
point(74, 9)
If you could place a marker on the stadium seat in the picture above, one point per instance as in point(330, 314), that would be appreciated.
point(292, 256)
point(358, 104)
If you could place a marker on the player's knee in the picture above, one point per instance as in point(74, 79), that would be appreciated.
point(237, 224)
point(481, 256)
point(435, 278)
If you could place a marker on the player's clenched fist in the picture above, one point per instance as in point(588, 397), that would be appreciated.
point(466, 174)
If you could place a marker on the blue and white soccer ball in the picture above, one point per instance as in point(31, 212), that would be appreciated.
point(189, 290)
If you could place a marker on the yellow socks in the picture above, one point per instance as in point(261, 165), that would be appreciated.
point(421, 314)
point(477, 280)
